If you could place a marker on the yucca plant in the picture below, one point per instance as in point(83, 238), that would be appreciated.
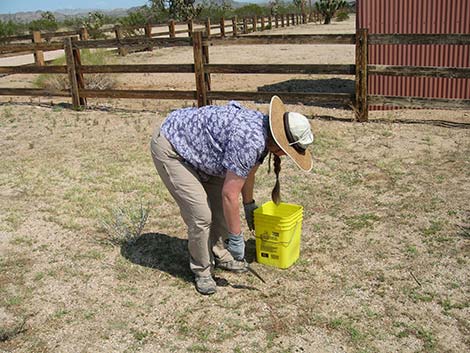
point(328, 8)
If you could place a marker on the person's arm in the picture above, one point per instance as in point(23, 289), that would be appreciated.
point(247, 190)
point(231, 190)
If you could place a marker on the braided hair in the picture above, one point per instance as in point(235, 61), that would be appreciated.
point(276, 193)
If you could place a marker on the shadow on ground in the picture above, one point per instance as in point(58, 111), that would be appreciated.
point(160, 251)
point(170, 254)
point(330, 85)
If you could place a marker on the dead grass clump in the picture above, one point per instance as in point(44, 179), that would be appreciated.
point(92, 81)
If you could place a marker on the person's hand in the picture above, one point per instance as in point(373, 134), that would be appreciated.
point(236, 246)
point(249, 215)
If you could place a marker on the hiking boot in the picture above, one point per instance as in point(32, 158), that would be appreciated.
point(206, 285)
point(233, 266)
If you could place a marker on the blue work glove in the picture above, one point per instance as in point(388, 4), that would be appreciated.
point(236, 246)
point(249, 215)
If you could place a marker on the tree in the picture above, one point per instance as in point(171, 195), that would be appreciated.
point(300, 5)
point(47, 22)
point(10, 28)
point(328, 8)
point(184, 9)
point(93, 23)
point(215, 10)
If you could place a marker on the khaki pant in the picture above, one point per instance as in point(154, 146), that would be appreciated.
point(200, 204)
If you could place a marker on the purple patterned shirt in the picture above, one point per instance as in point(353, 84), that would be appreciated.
point(214, 139)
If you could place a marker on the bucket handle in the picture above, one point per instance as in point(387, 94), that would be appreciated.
point(283, 243)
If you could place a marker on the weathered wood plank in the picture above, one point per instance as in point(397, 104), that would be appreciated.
point(160, 34)
point(179, 31)
point(14, 38)
point(434, 39)
point(201, 85)
point(26, 47)
point(281, 69)
point(143, 42)
point(147, 68)
point(417, 102)
point(362, 108)
point(286, 39)
point(34, 92)
point(50, 35)
point(414, 71)
point(79, 74)
point(72, 73)
point(137, 94)
point(123, 51)
point(172, 29)
point(38, 54)
point(288, 97)
point(33, 69)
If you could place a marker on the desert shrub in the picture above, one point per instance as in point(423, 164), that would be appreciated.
point(137, 18)
point(251, 10)
point(123, 225)
point(342, 16)
point(10, 28)
point(92, 81)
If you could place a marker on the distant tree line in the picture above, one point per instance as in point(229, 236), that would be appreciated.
point(160, 11)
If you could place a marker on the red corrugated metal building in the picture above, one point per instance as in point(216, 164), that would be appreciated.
point(417, 17)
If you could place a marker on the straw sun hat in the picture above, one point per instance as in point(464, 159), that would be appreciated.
point(292, 133)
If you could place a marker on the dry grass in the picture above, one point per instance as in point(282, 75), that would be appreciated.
point(384, 261)
point(384, 248)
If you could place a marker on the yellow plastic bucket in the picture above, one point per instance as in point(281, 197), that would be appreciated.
point(278, 230)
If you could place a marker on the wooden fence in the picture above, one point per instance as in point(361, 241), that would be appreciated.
point(237, 26)
point(202, 70)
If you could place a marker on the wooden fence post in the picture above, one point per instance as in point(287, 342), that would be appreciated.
point(84, 34)
point(255, 23)
point(122, 51)
point(270, 21)
point(38, 54)
point(282, 20)
point(208, 27)
point(78, 73)
point(245, 25)
point(171, 28)
point(205, 55)
point(199, 69)
point(72, 73)
point(362, 108)
point(262, 23)
point(190, 27)
point(222, 27)
point(276, 18)
point(148, 34)
point(294, 19)
point(235, 25)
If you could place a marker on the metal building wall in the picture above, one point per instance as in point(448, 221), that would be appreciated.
point(417, 17)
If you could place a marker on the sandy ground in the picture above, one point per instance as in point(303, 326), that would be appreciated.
point(384, 262)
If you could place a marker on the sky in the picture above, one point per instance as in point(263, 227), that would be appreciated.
point(12, 6)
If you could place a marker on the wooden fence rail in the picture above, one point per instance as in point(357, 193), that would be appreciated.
point(202, 70)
